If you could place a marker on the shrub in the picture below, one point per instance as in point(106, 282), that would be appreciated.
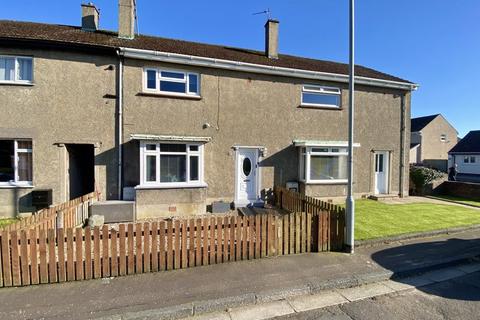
point(423, 176)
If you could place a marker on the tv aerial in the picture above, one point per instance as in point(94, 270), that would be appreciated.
point(266, 12)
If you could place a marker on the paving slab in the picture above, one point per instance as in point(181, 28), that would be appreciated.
point(397, 286)
point(262, 311)
point(316, 301)
point(224, 315)
point(365, 291)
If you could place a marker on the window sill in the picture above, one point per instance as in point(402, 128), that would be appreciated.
point(16, 186)
point(328, 182)
point(172, 186)
point(168, 95)
point(321, 107)
point(12, 83)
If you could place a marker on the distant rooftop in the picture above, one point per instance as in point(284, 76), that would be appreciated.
point(469, 144)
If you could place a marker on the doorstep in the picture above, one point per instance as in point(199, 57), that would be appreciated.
point(381, 197)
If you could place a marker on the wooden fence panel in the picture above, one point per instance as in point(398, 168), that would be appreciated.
point(7, 275)
point(138, 248)
point(154, 246)
point(105, 252)
point(176, 244)
point(62, 270)
point(48, 256)
point(184, 245)
point(24, 261)
point(113, 251)
point(146, 247)
point(97, 266)
point(78, 253)
point(88, 253)
point(34, 254)
point(16, 273)
point(43, 257)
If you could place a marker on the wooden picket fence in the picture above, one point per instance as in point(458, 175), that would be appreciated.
point(38, 255)
point(68, 214)
point(328, 219)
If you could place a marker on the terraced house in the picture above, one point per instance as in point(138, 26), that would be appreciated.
point(175, 125)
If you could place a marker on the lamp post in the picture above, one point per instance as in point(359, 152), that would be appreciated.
point(350, 218)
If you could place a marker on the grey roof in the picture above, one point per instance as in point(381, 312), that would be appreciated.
point(75, 36)
point(469, 144)
point(419, 123)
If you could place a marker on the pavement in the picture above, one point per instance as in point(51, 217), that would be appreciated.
point(203, 290)
point(456, 298)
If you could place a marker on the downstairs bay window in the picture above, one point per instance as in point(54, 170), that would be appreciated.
point(15, 162)
point(323, 165)
point(171, 164)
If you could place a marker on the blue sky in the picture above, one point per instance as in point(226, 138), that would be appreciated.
point(435, 43)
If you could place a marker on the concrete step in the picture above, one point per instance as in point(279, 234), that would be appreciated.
point(114, 211)
point(381, 197)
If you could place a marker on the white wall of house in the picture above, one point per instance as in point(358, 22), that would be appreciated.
point(467, 163)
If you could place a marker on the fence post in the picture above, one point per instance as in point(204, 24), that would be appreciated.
point(60, 220)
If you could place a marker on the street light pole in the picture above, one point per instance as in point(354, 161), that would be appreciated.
point(350, 218)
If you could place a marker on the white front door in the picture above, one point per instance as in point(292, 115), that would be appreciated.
point(246, 191)
point(381, 172)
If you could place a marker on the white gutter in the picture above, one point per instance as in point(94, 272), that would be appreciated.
point(257, 68)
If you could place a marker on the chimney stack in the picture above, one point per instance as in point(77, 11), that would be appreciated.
point(90, 17)
point(271, 39)
point(126, 19)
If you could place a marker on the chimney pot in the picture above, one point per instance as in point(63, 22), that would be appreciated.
point(90, 17)
point(126, 19)
point(271, 39)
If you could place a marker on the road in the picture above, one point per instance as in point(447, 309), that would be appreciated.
point(458, 298)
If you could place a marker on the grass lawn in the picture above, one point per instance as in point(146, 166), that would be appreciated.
point(469, 201)
point(4, 222)
point(375, 219)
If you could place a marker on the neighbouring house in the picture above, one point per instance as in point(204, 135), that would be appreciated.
point(175, 126)
point(431, 139)
point(466, 154)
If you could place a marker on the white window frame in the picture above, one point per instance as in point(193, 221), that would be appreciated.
point(443, 137)
point(16, 151)
point(159, 78)
point(308, 152)
point(321, 90)
point(17, 80)
point(157, 153)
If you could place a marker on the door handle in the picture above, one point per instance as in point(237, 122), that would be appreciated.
point(246, 180)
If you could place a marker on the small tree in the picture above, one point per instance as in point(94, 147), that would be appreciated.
point(423, 176)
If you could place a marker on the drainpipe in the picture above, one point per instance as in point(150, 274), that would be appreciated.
point(402, 146)
point(120, 123)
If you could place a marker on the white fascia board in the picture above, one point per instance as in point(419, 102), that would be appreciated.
point(258, 68)
point(153, 137)
point(316, 143)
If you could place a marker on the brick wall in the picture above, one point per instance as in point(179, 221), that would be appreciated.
point(459, 189)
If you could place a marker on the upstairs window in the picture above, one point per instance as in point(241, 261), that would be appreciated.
point(443, 137)
point(16, 69)
point(318, 96)
point(15, 162)
point(172, 82)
